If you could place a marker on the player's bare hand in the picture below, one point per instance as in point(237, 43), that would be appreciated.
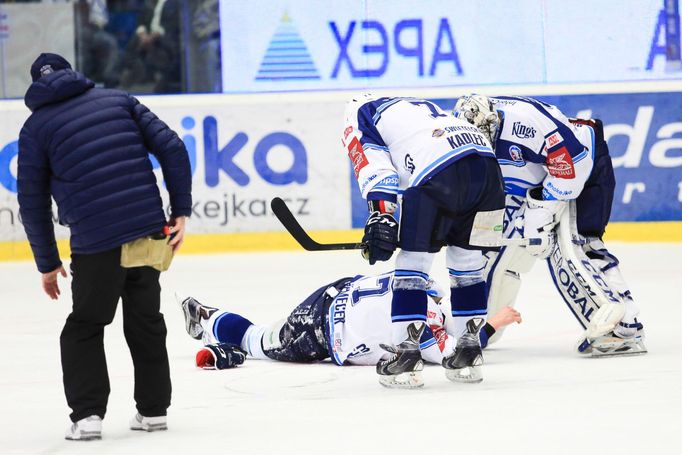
point(504, 317)
point(177, 231)
point(50, 285)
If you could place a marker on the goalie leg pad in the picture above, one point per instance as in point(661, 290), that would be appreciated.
point(504, 280)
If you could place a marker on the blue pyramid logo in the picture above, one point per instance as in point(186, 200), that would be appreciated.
point(287, 57)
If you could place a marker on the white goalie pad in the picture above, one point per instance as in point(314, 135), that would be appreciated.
point(595, 304)
point(581, 284)
point(504, 269)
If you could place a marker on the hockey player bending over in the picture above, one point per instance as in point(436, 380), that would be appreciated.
point(559, 182)
point(452, 195)
point(348, 321)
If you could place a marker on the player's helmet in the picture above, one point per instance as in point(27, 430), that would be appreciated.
point(479, 111)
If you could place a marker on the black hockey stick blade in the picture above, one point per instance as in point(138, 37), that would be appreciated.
point(284, 215)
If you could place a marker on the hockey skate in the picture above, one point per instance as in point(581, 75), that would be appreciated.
point(611, 334)
point(194, 312)
point(611, 345)
point(464, 365)
point(403, 370)
point(149, 424)
point(87, 429)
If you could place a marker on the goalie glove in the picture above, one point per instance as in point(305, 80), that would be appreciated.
point(539, 219)
point(381, 237)
point(220, 356)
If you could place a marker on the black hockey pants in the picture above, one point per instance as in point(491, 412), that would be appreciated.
point(98, 283)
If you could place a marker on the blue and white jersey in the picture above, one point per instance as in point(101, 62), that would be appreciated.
point(360, 319)
point(538, 146)
point(396, 143)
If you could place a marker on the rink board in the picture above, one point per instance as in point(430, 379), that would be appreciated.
point(247, 149)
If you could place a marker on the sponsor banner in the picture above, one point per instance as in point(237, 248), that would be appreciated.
point(242, 154)
point(644, 134)
point(335, 44)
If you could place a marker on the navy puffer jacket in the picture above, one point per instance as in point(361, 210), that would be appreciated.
point(88, 148)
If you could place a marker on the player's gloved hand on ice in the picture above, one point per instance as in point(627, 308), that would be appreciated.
point(381, 237)
point(220, 356)
point(539, 220)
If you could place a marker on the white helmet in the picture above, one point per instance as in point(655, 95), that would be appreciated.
point(479, 111)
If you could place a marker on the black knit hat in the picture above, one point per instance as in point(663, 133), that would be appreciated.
point(47, 63)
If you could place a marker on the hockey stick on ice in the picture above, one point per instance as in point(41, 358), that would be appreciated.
point(284, 215)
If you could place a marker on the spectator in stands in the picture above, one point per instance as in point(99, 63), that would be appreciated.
point(153, 55)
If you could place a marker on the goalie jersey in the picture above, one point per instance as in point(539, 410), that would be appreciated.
point(396, 143)
point(360, 319)
point(537, 145)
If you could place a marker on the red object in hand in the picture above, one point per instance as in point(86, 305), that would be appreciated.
point(205, 359)
point(166, 230)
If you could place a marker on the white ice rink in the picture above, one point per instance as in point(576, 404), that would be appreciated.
point(538, 396)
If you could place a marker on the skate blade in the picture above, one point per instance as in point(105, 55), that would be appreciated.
point(621, 350)
point(612, 346)
point(408, 380)
point(470, 375)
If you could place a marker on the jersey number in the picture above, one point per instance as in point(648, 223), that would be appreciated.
point(435, 112)
point(380, 289)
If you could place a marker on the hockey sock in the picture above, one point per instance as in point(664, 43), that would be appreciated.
point(467, 302)
point(408, 305)
point(252, 341)
point(230, 328)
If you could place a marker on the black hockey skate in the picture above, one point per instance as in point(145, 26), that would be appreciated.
point(194, 312)
point(404, 368)
point(464, 365)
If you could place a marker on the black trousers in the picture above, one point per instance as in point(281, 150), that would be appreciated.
point(98, 283)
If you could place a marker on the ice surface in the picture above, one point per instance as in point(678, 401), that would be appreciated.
point(538, 396)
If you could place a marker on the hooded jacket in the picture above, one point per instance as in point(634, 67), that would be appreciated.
point(88, 149)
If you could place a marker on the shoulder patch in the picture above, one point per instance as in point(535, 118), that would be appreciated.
point(357, 156)
point(553, 139)
point(560, 164)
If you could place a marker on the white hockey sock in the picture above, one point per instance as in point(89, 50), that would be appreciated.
point(251, 342)
point(207, 325)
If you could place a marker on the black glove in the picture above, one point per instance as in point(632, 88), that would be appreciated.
point(220, 356)
point(381, 237)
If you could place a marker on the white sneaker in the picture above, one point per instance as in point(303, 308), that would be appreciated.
point(86, 429)
point(142, 423)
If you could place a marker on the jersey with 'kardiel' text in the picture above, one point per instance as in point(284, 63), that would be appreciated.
point(537, 145)
point(396, 143)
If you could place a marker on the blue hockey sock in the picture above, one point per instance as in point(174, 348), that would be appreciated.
point(408, 305)
point(230, 328)
point(467, 302)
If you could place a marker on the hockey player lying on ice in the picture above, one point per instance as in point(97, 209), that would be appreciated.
point(346, 320)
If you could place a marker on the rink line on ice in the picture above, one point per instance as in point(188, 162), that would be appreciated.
point(667, 231)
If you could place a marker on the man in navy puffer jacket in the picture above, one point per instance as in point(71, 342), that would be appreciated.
point(88, 149)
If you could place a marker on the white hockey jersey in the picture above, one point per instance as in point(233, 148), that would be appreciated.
point(396, 143)
point(360, 319)
point(538, 146)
